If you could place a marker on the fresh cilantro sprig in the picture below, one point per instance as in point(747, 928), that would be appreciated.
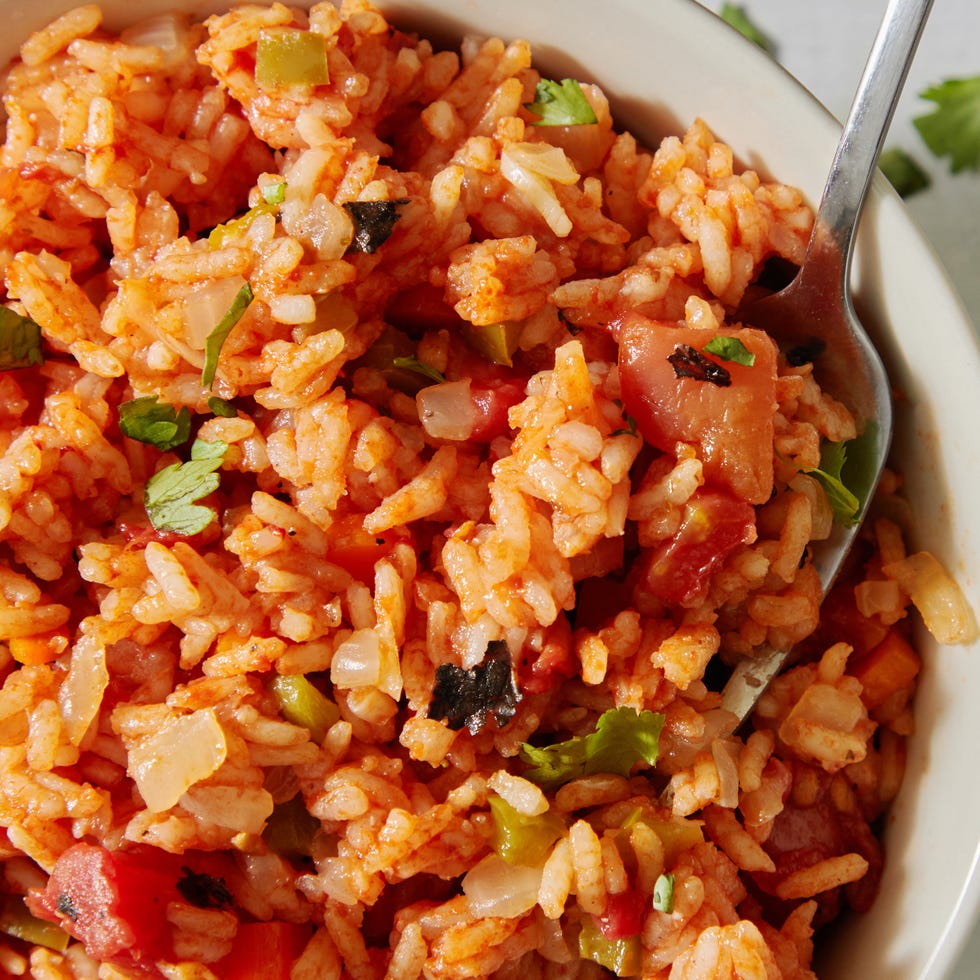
point(730, 349)
point(561, 104)
point(663, 894)
point(20, 340)
point(845, 503)
point(149, 420)
point(171, 495)
point(903, 171)
point(622, 738)
point(737, 17)
point(215, 340)
point(952, 129)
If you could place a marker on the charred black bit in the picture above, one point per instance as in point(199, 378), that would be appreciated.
point(373, 222)
point(66, 907)
point(204, 891)
point(466, 697)
point(806, 353)
point(690, 363)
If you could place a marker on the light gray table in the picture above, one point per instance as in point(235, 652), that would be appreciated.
point(824, 44)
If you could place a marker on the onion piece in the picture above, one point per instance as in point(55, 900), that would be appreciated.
point(446, 410)
point(936, 595)
point(203, 308)
point(80, 696)
point(725, 751)
point(184, 751)
point(357, 661)
point(495, 888)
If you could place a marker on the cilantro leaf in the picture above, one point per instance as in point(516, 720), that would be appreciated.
point(217, 337)
point(737, 17)
point(152, 421)
point(20, 340)
point(953, 128)
point(621, 738)
point(171, 493)
point(561, 104)
point(730, 349)
point(222, 407)
point(903, 172)
point(419, 367)
point(845, 503)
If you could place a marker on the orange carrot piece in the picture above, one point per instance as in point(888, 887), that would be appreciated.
point(889, 667)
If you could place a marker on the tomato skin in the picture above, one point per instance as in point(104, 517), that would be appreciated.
point(263, 949)
point(115, 902)
point(731, 427)
point(492, 403)
point(553, 664)
point(715, 523)
point(357, 551)
point(623, 915)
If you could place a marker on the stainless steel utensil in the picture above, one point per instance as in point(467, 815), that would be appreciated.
point(817, 303)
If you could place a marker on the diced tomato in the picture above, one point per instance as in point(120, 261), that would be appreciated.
point(115, 902)
point(714, 524)
point(419, 308)
point(540, 672)
point(890, 667)
point(731, 427)
point(263, 949)
point(357, 551)
point(492, 403)
point(623, 915)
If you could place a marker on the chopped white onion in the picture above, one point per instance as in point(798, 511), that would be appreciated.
point(184, 751)
point(168, 32)
point(80, 696)
point(496, 888)
point(724, 752)
point(203, 308)
point(357, 661)
point(446, 410)
point(531, 167)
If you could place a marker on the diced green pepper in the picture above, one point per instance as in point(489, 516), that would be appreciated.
point(303, 704)
point(677, 834)
point(495, 341)
point(288, 56)
point(621, 956)
point(290, 829)
point(221, 235)
point(520, 839)
point(16, 920)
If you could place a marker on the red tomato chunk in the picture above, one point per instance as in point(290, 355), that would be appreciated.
point(731, 427)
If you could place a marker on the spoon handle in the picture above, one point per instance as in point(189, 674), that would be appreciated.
point(867, 122)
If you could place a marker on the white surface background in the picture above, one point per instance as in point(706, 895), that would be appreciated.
point(824, 44)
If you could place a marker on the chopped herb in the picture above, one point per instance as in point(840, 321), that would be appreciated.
point(215, 340)
point(66, 907)
point(903, 172)
point(690, 363)
point(953, 128)
point(20, 340)
point(289, 56)
point(222, 407)
point(737, 17)
point(466, 697)
point(622, 737)
point(630, 429)
point(730, 349)
point(806, 353)
point(204, 891)
point(274, 193)
point(845, 503)
point(149, 420)
point(663, 894)
point(419, 367)
point(373, 221)
point(561, 104)
point(171, 493)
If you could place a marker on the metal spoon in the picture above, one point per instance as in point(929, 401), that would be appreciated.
point(817, 303)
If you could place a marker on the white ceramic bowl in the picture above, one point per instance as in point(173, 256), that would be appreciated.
point(662, 62)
